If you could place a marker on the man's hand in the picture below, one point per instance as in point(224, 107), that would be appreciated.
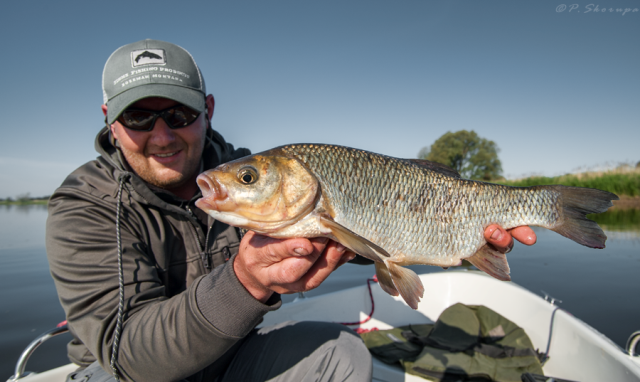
point(265, 265)
point(502, 239)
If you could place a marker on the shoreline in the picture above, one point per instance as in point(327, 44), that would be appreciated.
point(24, 203)
point(626, 203)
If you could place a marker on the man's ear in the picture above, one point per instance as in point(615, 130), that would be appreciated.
point(113, 130)
point(210, 103)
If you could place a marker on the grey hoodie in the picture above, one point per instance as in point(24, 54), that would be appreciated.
point(184, 307)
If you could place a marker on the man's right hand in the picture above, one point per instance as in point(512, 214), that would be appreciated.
point(265, 265)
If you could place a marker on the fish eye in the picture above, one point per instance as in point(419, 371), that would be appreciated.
point(248, 175)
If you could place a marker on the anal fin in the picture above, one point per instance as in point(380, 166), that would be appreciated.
point(492, 262)
point(407, 283)
point(384, 279)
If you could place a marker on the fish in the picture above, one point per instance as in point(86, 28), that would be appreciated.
point(394, 211)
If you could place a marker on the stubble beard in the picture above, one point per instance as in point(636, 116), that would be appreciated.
point(167, 179)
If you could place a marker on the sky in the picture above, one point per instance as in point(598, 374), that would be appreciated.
point(555, 85)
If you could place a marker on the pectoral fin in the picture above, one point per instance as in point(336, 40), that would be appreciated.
point(393, 278)
point(355, 242)
point(492, 262)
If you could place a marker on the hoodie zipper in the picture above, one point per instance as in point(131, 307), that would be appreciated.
point(206, 257)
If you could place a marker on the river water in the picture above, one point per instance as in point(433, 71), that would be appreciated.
point(598, 286)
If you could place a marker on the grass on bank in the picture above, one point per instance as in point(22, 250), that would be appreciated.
point(24, 199)
point(621, 181)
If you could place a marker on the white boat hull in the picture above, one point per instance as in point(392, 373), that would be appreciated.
point(577, 351)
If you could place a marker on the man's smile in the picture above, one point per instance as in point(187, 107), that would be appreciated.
point(165, 155)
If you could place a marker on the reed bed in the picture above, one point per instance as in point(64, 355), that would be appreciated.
point(621, 181)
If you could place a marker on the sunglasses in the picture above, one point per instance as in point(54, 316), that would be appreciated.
point(176, 117)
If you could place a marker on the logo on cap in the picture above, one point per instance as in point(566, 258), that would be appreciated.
point(148, 57)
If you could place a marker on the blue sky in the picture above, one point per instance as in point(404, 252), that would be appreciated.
point(556, 88)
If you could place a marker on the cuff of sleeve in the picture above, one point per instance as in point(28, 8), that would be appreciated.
point(227, 305)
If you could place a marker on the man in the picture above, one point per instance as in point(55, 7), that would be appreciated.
point(155, 290)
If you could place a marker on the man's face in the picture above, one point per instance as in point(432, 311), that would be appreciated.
point(167, 158)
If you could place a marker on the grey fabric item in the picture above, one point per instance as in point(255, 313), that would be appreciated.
point(243, 312)
point(93, 373)
point(301, 352)
point(287, 352)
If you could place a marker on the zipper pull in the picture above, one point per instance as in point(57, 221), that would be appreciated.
point(226, 253)
point(206, 259)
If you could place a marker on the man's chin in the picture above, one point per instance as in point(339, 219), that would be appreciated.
point(166, 179)
point(169, 178)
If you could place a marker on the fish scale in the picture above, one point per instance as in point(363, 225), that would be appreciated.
point(466, 206)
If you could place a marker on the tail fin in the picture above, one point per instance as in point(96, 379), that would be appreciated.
point(576, 203)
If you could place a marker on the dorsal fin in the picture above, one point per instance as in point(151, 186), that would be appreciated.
point(435, 166)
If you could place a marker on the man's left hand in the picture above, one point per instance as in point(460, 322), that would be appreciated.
point(502, 239)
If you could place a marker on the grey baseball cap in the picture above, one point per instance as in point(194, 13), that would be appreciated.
point(151, 68)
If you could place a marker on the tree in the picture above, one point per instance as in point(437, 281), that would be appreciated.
point(24, 198)
point(473, 157)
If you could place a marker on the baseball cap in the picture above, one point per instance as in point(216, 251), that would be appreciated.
point(151, 68)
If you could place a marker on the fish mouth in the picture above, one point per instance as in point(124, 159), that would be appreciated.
point(214, 195)
point(211, 189)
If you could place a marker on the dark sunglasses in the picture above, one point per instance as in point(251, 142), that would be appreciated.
point(176, 117)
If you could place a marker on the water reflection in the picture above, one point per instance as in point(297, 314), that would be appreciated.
point(22, 208)
point(22, 226)
point(619, 220)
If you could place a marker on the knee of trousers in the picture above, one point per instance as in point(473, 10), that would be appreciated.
point(347, 346)
point(343, 340)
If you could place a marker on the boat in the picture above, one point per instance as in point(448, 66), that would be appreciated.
point(575, 350)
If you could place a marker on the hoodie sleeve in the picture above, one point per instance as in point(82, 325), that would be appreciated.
point(162, 339)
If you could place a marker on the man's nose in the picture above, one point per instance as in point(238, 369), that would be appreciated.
point(162, 135)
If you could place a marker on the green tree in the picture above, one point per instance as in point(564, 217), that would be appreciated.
point(24, 198)
point(473, 157)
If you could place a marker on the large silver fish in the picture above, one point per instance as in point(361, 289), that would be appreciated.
point(394, 211)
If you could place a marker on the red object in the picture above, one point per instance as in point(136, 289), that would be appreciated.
point(374, 279)
point(63, 323)
point(361, 330)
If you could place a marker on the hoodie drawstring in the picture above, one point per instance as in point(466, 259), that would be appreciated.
point(116, 338)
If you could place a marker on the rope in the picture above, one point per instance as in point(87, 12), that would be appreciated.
point(374, 279)
point(116, 338)
point(546, 353)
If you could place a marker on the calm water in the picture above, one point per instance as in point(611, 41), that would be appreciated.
point(598, 286)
